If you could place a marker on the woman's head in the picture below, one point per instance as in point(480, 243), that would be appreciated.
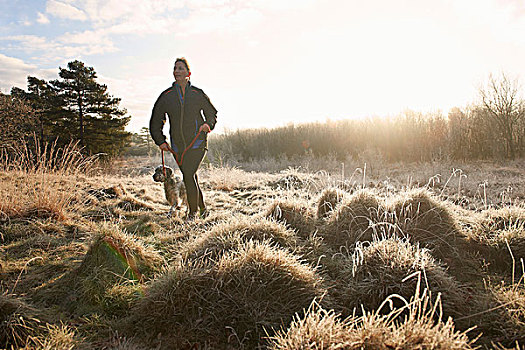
point(181, 69)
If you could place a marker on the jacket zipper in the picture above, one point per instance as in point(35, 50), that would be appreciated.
point(182, 100)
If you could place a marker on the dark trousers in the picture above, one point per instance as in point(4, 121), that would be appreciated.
point(190, 164)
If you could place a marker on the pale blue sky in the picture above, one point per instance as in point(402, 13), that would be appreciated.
point(266, 63)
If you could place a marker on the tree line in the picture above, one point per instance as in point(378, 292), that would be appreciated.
point(72, 108)
point(493, 128)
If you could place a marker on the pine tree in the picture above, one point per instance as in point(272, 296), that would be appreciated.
point(99, 123)
point(52, 117)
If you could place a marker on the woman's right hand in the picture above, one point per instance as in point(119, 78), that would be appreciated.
point(164, 146)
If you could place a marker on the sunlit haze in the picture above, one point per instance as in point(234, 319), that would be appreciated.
point(266, 63)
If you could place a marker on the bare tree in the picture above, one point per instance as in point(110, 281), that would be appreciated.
point(506, 108)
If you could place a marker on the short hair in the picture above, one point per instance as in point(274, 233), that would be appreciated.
point(183, 60)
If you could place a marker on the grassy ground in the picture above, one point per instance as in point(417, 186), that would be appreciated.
point(376, 257)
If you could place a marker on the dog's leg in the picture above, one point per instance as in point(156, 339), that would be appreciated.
point(171, 211)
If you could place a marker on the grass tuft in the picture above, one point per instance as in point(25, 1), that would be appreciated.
point(414, 329)
point(109, 279)
point(233, 303)
point(427, 220)
point(328, 201)
point(293, 214)
point(352, 220)
point(18, 322)
point(510, 305)
point(234, 233)
point(501, 235)
point(395, 266)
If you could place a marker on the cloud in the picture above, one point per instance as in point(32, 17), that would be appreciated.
point(69, 45)
point(14, 72)
point(29, 43)
point(164, 16)
point(42, 19)
point(66, 11)
point(88, 38)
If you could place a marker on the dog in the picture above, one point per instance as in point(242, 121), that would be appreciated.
point(174, 188)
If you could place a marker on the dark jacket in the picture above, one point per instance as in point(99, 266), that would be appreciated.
point(184, 122)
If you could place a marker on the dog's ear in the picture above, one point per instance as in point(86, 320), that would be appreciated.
point(158, 169)
point(169, 172)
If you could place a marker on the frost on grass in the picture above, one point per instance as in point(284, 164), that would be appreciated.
point(412, 327)
point(501, 235)
point(230, 235)
point(353, 220)
point(328, 201)
point(248, 292)
point(425, 219)
point(293, 213)
point(395, 266)
point(109, 279)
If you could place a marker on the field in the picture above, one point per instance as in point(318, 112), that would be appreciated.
point(309, 254)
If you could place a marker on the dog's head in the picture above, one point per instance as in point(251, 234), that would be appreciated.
point(158, 176)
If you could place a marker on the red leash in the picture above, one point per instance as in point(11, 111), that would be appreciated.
point(163, 166)
point(175, 153)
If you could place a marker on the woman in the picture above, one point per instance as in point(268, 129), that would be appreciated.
point(192, 117)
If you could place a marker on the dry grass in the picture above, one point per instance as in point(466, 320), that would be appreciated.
point(233, 178)
point(26, 196)
point(394, 266)
point(328, 201)
point(508, 319)
point(113, 268)
point(234, 233)
point(21, 326)
point(425, 219)
point(293, 213)
point(110, 277)
point(130, 203)
point(121, 253)
point(321, 329)
point(501, 236)
point(353, 220)
point(18, 322)
point(231, 303)
point(56, 337)
point(37, 182)
point(225, 281)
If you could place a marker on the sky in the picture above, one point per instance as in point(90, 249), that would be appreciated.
point(268, 63)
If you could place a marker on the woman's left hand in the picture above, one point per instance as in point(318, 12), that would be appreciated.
point(205, 128)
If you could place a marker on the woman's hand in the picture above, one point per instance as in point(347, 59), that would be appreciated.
point(205, 128)
point(164, 146)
